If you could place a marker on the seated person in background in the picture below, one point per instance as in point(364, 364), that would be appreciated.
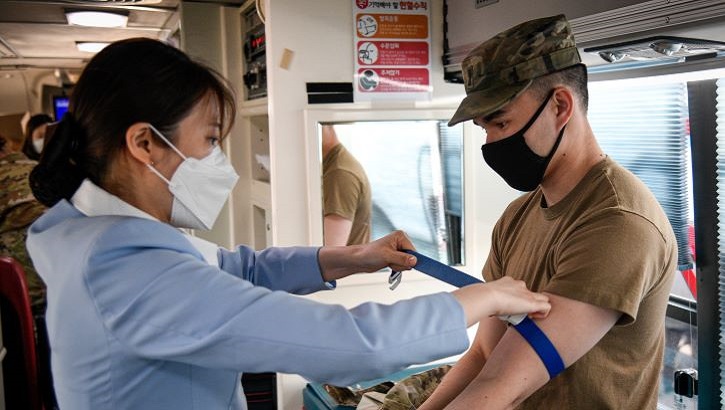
point(18, 209)
point(35, 135)
point(588, 233)
point(347, 201)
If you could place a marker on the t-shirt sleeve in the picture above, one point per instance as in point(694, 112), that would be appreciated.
point(492, 269)
point(601, 262)
point(341, 191)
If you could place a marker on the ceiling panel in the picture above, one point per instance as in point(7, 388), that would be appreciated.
point(60, 41)
point(35, 33)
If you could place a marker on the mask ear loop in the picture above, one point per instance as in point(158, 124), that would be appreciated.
point(538, 112)
point(155, 171)
point(167, 141)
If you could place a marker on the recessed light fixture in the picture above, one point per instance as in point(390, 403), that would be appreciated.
point(96, 18)
point(612, 56)
point(658, 48)
point(91, 46)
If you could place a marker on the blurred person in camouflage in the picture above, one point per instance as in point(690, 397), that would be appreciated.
point(18, 209)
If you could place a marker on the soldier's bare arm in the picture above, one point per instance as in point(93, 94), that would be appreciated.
point(513, 371)
point(488, 335)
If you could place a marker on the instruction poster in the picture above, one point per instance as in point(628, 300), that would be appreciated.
point(392, 50)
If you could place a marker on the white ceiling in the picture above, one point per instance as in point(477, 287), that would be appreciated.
point(36, 34)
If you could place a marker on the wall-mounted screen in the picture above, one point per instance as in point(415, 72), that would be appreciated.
point(60, 106)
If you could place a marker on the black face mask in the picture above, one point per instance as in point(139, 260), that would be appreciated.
point(515, 162)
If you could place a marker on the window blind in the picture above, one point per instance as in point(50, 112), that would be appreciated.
point(451, 147)
point(645, 129)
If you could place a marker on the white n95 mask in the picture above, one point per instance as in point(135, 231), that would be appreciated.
point(199, 186)
point(38, 145)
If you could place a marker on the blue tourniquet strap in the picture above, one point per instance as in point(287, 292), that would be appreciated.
point(526, 327)
point(542, 346)
point(445, 273)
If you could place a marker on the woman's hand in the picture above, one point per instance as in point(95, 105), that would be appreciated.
point(341, 261)
point(504, 296)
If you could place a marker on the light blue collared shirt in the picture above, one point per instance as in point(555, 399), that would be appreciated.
point(138, 318)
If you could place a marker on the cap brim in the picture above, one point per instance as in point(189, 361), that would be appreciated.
point(482, 103)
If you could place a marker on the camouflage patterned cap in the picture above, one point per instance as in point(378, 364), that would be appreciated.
point(499, 69)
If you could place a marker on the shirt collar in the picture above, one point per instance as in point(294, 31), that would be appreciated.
point(93, 200)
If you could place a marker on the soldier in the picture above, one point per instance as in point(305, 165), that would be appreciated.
point(18, 209)
point(588, 233)
point(347, 199)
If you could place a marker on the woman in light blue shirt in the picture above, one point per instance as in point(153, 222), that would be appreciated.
point(141, 315)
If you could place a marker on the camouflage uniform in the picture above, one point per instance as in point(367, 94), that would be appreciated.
point(411, 392)
point(18, 209)
point(406, 394)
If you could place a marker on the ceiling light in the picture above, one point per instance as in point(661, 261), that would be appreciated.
point(665, 47)
point(658, 49)
point(90, 46)
point(96, 19)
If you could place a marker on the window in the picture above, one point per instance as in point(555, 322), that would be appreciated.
point(645, 128)
point(415, 173)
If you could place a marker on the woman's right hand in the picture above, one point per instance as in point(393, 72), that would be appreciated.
point(501, 297)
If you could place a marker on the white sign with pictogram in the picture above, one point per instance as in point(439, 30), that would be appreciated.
point(392, 50)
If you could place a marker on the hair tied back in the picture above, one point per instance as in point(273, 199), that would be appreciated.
point(58, 174)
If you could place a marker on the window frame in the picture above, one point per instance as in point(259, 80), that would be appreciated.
point(703, 142)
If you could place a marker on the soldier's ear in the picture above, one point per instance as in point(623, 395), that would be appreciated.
point(564, 100)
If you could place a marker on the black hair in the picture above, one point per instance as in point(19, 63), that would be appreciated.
point(130, 81)
point(575, 77)
point(34, 122)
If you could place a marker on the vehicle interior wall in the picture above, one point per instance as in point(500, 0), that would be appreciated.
point(21, 91)
point(319, 36)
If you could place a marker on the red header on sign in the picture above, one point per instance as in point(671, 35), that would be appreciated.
point(392, 5)
point(392, 52)
point(386, 80)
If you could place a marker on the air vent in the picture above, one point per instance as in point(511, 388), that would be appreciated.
point(658, 48)
point(6, 51)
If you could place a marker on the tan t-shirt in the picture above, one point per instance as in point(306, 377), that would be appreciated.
point(346, 192)
point(607, 243)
